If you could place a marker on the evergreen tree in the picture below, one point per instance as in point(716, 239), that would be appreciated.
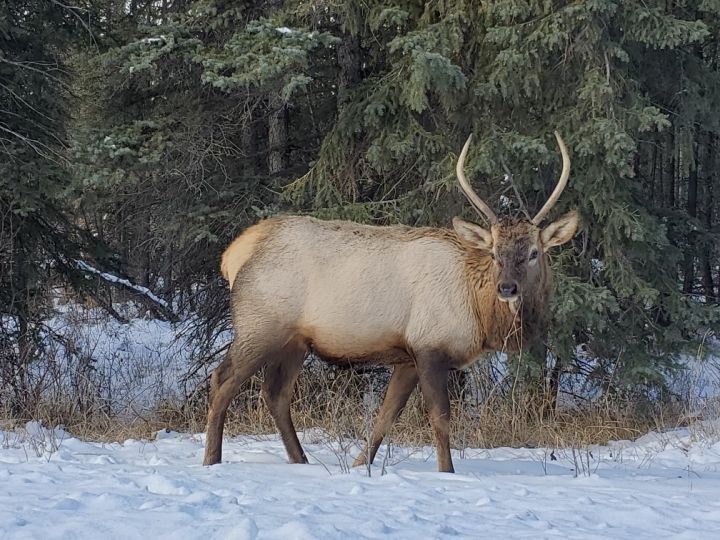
point(208, 115)
point(37, 238)
point(512, 72)
point(194, 113)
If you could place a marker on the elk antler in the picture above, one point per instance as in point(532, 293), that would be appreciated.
point(473, 197)
point(562, 182)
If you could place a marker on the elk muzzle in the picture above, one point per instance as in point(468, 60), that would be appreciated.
point(507, 291)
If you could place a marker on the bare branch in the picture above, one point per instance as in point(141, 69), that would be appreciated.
point(509, 178)
point(74, 10)
point(29, 66)
point(40, 148)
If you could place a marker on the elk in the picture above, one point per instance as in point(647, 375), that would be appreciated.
point(421, 300)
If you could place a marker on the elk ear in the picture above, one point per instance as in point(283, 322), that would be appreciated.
point(560, 231)
point(473, 234)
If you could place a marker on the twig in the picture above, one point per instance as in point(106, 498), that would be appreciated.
point(509, 178)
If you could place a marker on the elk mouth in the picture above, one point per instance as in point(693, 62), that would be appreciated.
point(511, 299)
point(513, 302)
point(510, 296)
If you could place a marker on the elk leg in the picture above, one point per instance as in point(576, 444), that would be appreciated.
point(433, 375)
point(403, 381)
point(224, 385)
point(278, 386)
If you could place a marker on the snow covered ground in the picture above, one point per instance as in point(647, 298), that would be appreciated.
point(55, 486)
point(127, 368)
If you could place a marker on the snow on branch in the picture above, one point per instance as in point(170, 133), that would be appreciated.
point(156, 302)
point(160, 40)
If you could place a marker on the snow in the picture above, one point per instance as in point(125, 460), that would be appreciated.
point(82, 265)
point(127, 367)
point(160, 40)
point(55, 486)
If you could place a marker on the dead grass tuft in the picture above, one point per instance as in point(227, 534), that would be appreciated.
point(343, 403)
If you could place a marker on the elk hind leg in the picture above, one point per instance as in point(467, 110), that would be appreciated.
point(403, 381)
point(277, 388)
point(433, 376)
point(225, 382)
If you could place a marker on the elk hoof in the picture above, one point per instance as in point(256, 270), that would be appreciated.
point(211, 460)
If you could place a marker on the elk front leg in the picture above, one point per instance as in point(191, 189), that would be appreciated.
point(433, 375)
point(403, 381)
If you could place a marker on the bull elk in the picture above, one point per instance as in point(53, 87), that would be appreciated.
point(422, 300)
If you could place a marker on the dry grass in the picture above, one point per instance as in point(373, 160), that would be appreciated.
point(93, 425)
point(343, 403)
point(108, 401)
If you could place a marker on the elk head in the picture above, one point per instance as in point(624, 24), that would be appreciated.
point(516, 246)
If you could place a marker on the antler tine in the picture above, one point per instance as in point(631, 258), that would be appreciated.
point(562, 182)
point(473, 197)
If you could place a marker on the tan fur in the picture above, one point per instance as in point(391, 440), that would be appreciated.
point(355, 290)
point(422, 298)
point(241, 249)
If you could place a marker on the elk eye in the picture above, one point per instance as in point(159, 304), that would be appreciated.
point(533, 254)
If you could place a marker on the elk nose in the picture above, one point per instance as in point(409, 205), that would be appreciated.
point(507, 290)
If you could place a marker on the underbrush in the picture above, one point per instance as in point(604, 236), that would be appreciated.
point(342, 403)
point(109, 382)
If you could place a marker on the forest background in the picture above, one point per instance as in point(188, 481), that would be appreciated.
point(138, 137)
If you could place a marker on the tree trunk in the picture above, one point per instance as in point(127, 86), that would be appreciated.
point(653, 173)
point(706, 253)
point(554, 385)
point(21, 310)
point(277, 135)
point(167, 273)
point(249, 147)
point(707, 278)
point(672, 174)
point(349, 61)
point(689, 257)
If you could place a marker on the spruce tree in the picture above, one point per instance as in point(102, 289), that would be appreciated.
point(213, 114)
point(38, 237)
